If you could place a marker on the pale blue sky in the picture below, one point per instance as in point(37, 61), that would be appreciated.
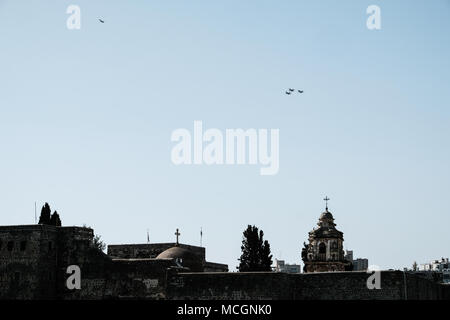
point(86, 117)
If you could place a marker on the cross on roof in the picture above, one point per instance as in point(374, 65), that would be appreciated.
point(326, 202)
point(177, 233)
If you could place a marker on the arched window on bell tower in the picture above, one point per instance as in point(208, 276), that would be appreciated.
point(322, 248)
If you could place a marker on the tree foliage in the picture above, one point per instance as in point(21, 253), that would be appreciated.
point(305, 255)
point(55, 219)
point(255, 251)
point(44, 218)
point(98, 243)
point(47, 218)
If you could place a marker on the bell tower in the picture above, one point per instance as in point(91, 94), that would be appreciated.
point(325, 250)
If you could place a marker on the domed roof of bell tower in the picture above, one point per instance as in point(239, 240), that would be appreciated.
point(326, 219)
point(326, 226)
point(326, 215)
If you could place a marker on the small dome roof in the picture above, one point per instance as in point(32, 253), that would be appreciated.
point(326, 215)
point(186, 257)
point(174, 253)
point(327, 227)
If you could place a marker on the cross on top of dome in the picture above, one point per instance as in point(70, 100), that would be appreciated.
point(326, 202)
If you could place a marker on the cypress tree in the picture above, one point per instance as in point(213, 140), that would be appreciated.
point(55, 219)
point(45, 214)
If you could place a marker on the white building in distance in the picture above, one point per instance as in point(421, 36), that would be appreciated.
point(281, 266)
point(359, 264)
point(442, 265)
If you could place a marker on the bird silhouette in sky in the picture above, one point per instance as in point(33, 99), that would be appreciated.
point(291, 90)
point(288, 92)
point(300, 91)
point(102, 21)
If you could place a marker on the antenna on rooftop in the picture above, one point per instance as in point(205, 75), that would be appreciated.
point(201, 237)
point(35, 217)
